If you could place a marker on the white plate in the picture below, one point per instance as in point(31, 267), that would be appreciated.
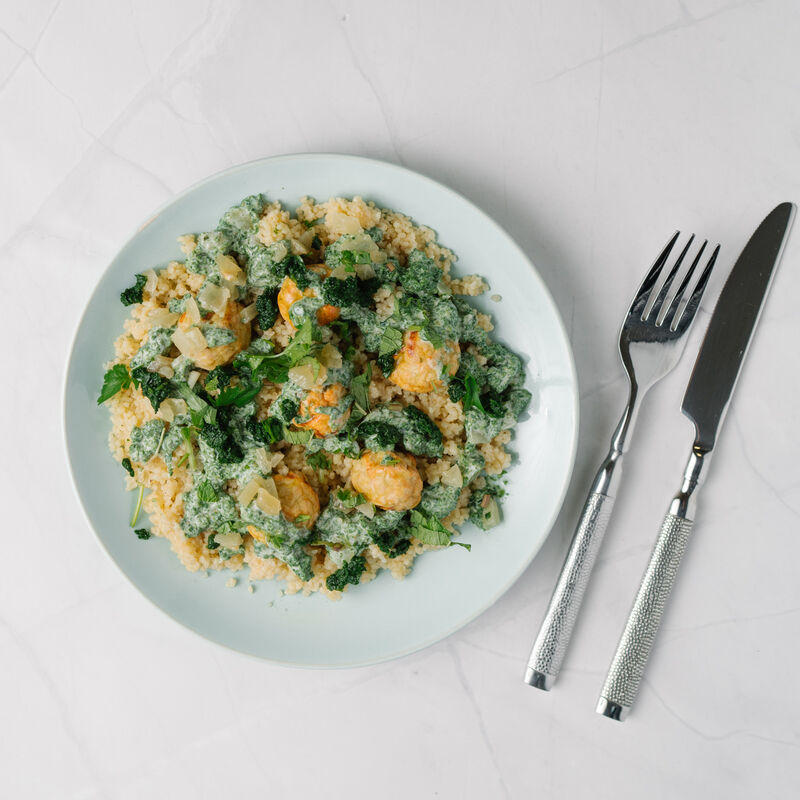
point(446, 589)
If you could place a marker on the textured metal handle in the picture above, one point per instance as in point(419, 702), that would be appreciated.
point(550, 646)
point(633, 650)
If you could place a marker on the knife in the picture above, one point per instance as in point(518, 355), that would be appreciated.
point(706, 400)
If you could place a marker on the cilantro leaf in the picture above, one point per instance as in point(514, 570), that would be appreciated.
point(349, 499)
point(127, 466)
point(115, 380)
point(143, 534)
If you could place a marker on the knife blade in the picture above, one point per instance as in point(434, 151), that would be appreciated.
point(708, 394)
point(736, 314)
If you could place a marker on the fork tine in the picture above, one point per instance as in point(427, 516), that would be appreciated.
point(675, 305)
point(650, 280)
point(658, 304)
point(686, 317)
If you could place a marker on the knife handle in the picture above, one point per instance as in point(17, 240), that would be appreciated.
point(550, 646)
point(627, 668)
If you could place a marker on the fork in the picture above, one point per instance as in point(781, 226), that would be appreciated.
point(650, 343)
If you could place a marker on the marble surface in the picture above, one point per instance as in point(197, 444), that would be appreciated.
point(591, 130)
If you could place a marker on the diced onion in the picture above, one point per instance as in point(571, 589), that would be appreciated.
point(337, 222)
point(249, 313)
point(162, 318)
point(268, 485)
point(263, 459)
point(308, 375)
point(280, 251)
point(378, 256)
point(232, 540)
point(190, 342)
point(491, 513)
point(193, 311)
point(235, 289)
point(163, 366)
point(453, 477)
point(394, 406)
point(267, 503)
point(364, 271)
point(306, 238)
point(298, 248)
point(247, 494)
point(170, 408)
point(152, 281)
point(330, 357)
point(340, 273)
point(230, 270)
point(213, 297)
point(158, 362)
point(367, 509)
point(192, 379)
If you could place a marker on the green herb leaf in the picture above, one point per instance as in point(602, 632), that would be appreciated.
point(127, 466)
point(143, 534)
point(318, 460)
point(359, 390)
point(429, 530)
point(431, 334)
point(115, 380)
point(138, 507)
point(349, 499)
point(391, 341)
point(300, 518)
point(201, 411)
point(206, 492)
point(297, 437)
point(186, 433)
point(471, 397)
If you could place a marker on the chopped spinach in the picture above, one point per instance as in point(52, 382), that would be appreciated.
point(350, 573)
point(134, 294)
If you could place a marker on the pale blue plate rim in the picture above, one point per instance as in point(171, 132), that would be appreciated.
point(570, 363)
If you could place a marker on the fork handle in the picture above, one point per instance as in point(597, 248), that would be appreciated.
point(550, 646)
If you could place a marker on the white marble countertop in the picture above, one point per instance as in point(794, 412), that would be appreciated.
point(591, 130)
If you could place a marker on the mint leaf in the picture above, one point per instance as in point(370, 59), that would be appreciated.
point(297, 437)
point(359, 390)
point(206, 492)
point(391, 341)
point(429, 530)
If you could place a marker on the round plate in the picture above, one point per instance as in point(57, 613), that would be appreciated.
point(446, 588)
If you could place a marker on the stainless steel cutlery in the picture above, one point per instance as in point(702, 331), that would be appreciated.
point(706, 400)
point(650, 343)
